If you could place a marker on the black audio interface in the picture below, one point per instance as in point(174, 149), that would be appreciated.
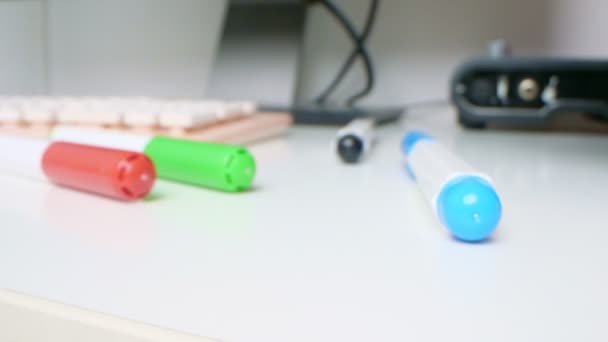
point(528, 91)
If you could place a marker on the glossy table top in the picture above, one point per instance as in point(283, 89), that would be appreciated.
point(321, 251)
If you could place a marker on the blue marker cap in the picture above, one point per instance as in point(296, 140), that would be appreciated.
point(469, 207)
point(411, 139)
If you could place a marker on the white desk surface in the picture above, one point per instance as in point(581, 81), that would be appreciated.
point(326, 252)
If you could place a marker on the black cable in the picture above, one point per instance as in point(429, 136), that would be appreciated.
point(369, 75)
point(339, 77)
point(367, 62)
point(337, 12)
point(371, 19)
point(359, 50)
point(357, 40)
point(369, 23)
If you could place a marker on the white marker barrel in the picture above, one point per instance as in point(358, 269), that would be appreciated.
point(102, 138)
point(463, 199)
point(22, 156)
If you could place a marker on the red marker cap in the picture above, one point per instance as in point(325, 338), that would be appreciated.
point(118, 174)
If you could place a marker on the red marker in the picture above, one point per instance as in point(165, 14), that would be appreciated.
point(113, 173)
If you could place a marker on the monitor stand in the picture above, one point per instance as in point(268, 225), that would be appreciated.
point(258, 60)
point(314, 114)
point(258, 55)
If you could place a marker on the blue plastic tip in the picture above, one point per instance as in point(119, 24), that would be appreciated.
point(411, 138)
point(469, 207)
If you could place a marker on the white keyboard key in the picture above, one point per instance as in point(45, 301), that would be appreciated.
point(141, 119)
point(179, 120)
point(140, 112)
point(64, 101)
point(73, 112)
point(102, 117)
point(240, 108)
point(41, 111)
point(9, 114)
point(248, 107)
point(215, 109)
point(184, 116)
point(209, 108)
point(39, 116)
point(89, 111)
point(103, 112)
point(14, 101)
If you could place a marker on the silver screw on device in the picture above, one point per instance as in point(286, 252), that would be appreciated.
point(528, 89)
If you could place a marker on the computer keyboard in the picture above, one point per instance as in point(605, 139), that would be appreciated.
point(206, 120)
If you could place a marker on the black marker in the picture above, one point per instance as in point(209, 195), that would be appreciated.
point(355, 140)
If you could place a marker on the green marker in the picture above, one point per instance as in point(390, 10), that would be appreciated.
point(223, 167)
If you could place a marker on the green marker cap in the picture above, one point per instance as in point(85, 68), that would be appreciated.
point(218, 166)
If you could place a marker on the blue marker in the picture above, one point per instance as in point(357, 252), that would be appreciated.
point(463, 199)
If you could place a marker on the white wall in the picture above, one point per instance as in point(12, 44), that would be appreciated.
point(580, 28)
point(109, 47)
point(132, 47)
point(22, 47)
